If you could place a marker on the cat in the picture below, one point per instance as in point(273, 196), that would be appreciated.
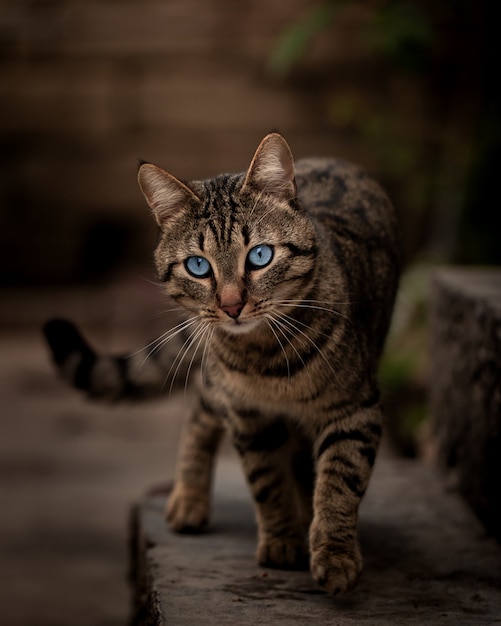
point(288, 273)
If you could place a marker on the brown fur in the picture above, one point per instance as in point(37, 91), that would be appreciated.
point(288, 346)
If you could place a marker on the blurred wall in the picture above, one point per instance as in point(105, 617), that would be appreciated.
point(88, 87)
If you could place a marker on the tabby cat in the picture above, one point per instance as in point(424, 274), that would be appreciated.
point(288, 273)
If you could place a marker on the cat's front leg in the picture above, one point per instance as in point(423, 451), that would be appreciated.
point(188, 506)
point(266, 458)
point(345, 454)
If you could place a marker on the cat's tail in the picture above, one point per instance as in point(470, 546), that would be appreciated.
point(106, 377)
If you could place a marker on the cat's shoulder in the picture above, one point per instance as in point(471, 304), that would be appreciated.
point(321, 177)
point(321, 169)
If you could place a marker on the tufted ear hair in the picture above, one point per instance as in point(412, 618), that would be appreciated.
point(165, 194)
point(272, 168)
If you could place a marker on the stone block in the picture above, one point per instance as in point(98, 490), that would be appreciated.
point(465, 384)
point(427, 561)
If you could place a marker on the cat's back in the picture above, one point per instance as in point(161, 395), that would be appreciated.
point(342, 195)
point(358, 224)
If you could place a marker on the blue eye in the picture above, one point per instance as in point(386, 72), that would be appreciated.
point(259, 256)
point(198, 266)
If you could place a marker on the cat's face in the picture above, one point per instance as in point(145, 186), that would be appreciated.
point(235, 250)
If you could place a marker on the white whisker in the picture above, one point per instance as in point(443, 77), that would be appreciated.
point(294, 328)
point(165, 311)
point(283, 327)
point(183, 351)
point(159, 342)
point(258, 198)
point(284, 316)
point(273, 208)
point(155, 283)
point(270, 320)
point(203, 334)
point(307, 301)
point(205, 358)
point(304, 304)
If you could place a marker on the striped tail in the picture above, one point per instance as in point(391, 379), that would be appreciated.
point(110, 377)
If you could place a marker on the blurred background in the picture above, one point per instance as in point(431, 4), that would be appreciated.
point(407, 88)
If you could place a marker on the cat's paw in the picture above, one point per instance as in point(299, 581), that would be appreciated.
point(187, 510)
point(336, 567)
point(282, 553)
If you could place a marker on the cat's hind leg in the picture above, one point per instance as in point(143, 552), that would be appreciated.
point(188, 506)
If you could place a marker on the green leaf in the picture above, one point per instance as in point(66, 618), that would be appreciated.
point(296, 39)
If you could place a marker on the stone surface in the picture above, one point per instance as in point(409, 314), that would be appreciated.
point(427, 560)
point(70, 468)
point(465, 390)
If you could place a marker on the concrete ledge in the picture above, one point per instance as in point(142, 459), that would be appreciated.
point(427, 560)
point(465, 389)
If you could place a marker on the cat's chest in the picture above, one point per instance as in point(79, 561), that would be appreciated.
point(267, 377)
point(294, 396)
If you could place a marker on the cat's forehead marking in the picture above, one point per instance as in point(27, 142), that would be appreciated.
point(220, 209)
point(245, 234)
point(222, 239)
point(227, 222)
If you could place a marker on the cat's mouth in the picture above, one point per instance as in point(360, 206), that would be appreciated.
point(240, 325)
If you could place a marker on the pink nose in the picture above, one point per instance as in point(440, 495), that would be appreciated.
point(233, 310)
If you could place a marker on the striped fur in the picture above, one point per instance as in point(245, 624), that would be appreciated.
point(288, 351)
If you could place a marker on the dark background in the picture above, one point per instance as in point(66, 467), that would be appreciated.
point(408, 89)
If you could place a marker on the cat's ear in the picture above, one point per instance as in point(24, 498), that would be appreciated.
point(272, 168)
point(165, 194)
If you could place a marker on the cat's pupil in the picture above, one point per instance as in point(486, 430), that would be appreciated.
point(260, 256)
point(198, 266)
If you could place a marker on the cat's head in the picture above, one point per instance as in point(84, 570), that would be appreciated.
point(237, 248)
